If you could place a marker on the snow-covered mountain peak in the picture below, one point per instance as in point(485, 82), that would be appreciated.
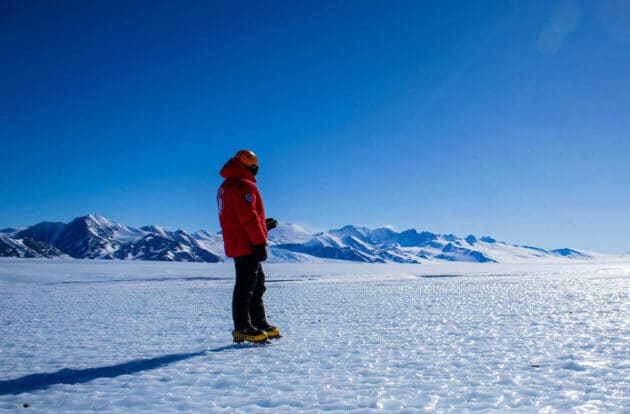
point(97, 225)
point(12, 230)
point(100, 226)
point(384, 234)
point(100, 220)
point(94, 236)
point(158, 230)
point(450, 237)
point(184, 233)
point(470, 239)
point(93, 221)
point(289, 233)
point(570, 253)
point(349, 230)
point(206, 235)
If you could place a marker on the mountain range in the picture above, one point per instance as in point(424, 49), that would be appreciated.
point(95, 237)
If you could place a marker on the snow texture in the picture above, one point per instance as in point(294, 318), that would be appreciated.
point(79, 335)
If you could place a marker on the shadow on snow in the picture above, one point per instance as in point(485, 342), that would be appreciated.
point(34, 382)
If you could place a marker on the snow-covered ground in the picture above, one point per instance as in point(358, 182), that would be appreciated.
point(155, 337)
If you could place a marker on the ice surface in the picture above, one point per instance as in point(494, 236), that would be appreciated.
point(154, 337)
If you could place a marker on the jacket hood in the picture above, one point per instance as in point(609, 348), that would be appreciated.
point(234, 169)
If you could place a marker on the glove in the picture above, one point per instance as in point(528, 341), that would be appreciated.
point(271, 223)
point(259, 252)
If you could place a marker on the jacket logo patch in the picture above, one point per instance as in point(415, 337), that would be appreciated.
point(249, 197)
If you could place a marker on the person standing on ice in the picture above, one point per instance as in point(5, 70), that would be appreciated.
point(244, 226)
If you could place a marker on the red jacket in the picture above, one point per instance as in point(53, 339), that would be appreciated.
point(241, 210)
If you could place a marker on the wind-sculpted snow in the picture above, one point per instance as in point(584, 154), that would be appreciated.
point(154, 337)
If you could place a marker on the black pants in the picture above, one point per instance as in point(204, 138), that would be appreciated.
point(247, 303)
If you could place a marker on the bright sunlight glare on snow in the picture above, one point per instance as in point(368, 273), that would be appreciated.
point(154, 337)
point(324, 206)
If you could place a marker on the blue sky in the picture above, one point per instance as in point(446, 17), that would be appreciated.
point(489, 117)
